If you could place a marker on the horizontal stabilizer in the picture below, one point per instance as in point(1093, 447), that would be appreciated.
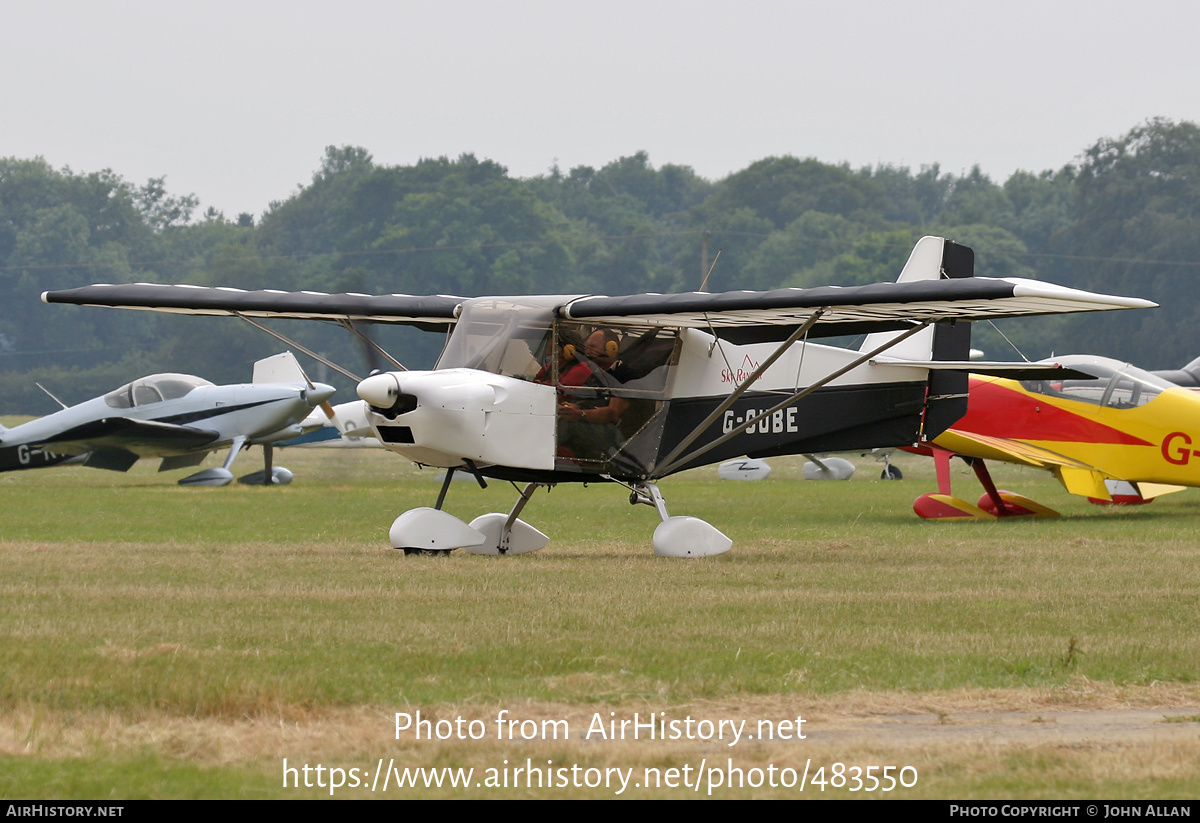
point(1149, 491)
point(1011, 370)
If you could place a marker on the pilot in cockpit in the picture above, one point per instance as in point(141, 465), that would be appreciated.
point(590, 419)
point(599, 367)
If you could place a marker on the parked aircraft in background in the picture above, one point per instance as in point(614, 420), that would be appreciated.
point(1188, 377)
point(178, 417)
point(550, 389)
point(1114, 433)
point(345, 428)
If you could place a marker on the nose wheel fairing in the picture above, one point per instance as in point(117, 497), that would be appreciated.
point(432, 531)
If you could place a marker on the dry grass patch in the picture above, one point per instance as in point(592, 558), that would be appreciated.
point(1099, 739)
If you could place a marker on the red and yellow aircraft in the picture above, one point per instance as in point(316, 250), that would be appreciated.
point(1112, 433)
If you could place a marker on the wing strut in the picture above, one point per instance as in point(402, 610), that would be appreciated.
point(673, 460)
point(370, 345)
point(305, 349)
point(740, 390)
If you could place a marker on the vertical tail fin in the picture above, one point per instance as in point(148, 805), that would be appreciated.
point(934, 258)
point(1188, 376)
point(280, 368)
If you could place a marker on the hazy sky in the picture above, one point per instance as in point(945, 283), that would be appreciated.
point(234, 101)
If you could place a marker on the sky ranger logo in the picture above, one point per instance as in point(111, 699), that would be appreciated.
point(741, 374)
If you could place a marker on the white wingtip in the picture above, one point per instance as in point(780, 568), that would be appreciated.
point(1035, 288)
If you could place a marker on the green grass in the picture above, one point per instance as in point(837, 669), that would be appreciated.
point(127, 601)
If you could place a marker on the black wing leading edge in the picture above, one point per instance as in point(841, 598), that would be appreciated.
point(432, 312)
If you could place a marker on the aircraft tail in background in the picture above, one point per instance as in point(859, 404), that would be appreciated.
point(279, 368)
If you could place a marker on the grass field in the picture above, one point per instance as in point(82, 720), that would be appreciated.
point(161, 641)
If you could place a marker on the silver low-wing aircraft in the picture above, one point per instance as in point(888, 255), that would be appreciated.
point(178, 417)
point(547, 389)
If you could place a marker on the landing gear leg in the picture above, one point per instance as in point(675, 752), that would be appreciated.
point(992, 505)
point(1006, 504)
point(890, 472)
point(271, 475)
point(944, 505)
point(216, 477)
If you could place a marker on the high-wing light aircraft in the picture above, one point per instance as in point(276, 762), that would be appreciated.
point(543, 389)
point(1112, 433)
point(177, 417)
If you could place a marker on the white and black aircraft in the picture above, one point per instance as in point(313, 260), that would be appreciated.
point(540, 390)
point(178, 417)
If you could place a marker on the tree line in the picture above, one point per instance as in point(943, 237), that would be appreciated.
point(1122, 218)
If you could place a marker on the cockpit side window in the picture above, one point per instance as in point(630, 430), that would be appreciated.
point(612, 385)
point(1131, 388)
point(174, 386)
point(144, 394)
point(121, 398)
point(1114, 387)
point(1082, 391)
point(1078, 389)
point(631, 362)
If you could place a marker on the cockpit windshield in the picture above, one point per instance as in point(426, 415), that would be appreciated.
point(502, 335)
point(153, 389)
point(1116, 385)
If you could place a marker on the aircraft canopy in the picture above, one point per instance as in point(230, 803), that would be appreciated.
point(153, 389)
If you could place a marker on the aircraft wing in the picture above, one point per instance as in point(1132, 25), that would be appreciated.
point(1077, 477)
point(845, 309)
point(141, 437)
point(1006, 449)
point(877, 306)
point(433, 312)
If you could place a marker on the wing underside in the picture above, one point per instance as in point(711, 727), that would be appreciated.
point(139, 437)
point(1008, 450)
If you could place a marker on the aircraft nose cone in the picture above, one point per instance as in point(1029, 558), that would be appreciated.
point(319, 393)
point(380, 390)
